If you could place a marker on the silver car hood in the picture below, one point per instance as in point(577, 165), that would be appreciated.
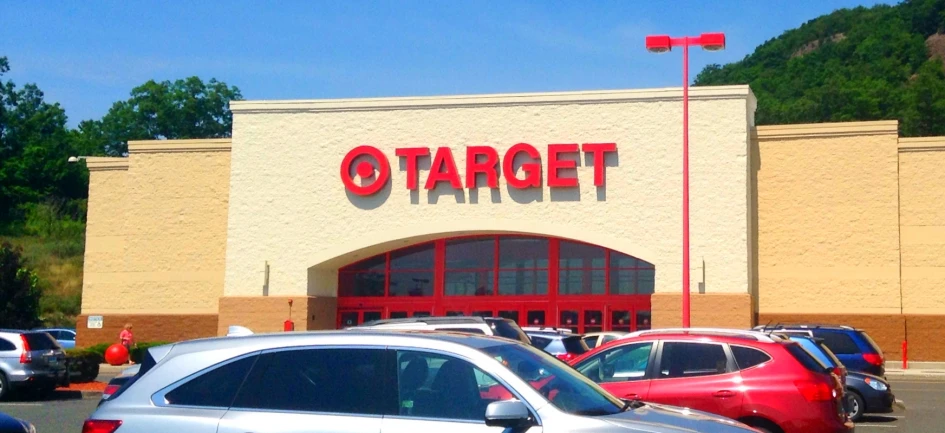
point(659, 418)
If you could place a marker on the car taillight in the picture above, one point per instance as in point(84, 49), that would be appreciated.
point(873, 358)
point(26, 357)
point(815, 391)
point(110, 389)
point(100, 426)
point(566, 357)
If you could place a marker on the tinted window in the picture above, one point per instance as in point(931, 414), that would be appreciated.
point(508, 330)
point(624, 363)
point(437, 386)
point(591, 341)
point(466, 330)
point(747, 357)
point(805, 358)
point(808, 344)
point(319, 380)
point(66, 336)
point(6, 345)
point(540, 342)
point(41, 341)
point(692, 359)
point(870, 342)
point(215, 388)
point(606, 339)
point(839, 343)
point(574, 345)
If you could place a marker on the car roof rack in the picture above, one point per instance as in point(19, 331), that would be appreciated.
point(432, 320)
point(718, 332)
point(547, 330)
point(780, 326)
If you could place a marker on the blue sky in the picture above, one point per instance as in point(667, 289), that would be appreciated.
point(87, 55)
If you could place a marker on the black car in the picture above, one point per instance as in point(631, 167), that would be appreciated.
point(865, 393)
point(9, 424)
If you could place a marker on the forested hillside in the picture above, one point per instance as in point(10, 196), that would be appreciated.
point(874, 63)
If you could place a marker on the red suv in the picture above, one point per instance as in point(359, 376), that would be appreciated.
point(765, 381)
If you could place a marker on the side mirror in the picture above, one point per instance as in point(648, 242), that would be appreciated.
point(507, 414)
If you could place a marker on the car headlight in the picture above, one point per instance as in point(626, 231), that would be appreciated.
point(877, 385)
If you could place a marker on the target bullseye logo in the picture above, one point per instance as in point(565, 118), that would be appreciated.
point(372, 179)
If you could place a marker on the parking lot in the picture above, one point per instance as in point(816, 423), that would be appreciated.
point(924, 399)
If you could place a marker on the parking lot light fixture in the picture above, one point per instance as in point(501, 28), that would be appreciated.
point(664, 44)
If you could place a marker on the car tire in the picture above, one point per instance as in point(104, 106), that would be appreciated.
point(855, 406)
point(4, 387)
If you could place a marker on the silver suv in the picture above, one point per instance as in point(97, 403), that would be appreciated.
point(373, 381)
point(497, 326)
point(30, 360)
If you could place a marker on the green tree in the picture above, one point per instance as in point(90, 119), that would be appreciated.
point(19, 295)
point(925, 101)
point(34, 147)
point(181, 109)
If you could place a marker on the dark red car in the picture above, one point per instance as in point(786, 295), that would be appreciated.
point(765, 381)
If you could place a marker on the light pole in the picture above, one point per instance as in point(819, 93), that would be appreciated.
point(662, 44)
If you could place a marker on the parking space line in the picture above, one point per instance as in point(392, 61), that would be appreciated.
point(20, 404)
point(877, 425)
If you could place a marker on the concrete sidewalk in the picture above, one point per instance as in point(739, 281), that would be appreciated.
point(924, 370)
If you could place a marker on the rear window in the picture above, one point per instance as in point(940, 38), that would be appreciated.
point(146, 365)
point(540, 342)
point(747, 357)
point(574, 345)
point(41, 341)
point(6, 345)
point(507, 330)
point(871, 342)
point(805, 358)
point(216, 388)
point(839, 342)
point(466, 330)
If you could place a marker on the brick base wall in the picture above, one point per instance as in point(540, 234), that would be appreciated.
point(147, 327)
point(268, 313)
point(717, 310)
point(924, 332)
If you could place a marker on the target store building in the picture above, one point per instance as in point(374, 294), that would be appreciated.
point(555, 209)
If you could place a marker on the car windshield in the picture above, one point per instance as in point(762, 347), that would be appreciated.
point(563, 386)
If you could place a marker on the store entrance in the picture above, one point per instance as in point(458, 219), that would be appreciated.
point(535, 281)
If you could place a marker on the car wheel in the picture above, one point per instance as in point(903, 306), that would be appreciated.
point(4, 387)
point(855, 406)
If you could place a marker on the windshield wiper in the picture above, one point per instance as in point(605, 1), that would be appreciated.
point(632, 404)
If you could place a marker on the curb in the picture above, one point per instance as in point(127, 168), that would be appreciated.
point(91, 394)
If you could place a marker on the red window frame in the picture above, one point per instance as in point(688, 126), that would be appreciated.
point(551, 302)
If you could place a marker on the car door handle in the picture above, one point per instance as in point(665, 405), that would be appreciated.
point(632, 396)
point(724, 394)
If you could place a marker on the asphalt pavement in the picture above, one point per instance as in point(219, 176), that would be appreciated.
point(924, 400)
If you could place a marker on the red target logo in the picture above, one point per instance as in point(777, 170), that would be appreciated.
point(374, 174)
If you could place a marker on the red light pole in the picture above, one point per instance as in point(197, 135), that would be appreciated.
point(662, 44)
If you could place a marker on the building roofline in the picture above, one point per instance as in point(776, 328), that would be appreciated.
point(170, 146)
point(922, 144)
point(491, 100)
point(103, 163)
point(834, 129)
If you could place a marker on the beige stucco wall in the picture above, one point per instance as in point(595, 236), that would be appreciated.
point(922, 215)
point(828, 222)
point(156, 234)
point(289, 208)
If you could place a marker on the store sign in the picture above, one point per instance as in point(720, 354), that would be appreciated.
point(374, 167)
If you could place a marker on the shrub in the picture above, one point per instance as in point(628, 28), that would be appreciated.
point(137, 353)
point(83, 364)
point(99, 349)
